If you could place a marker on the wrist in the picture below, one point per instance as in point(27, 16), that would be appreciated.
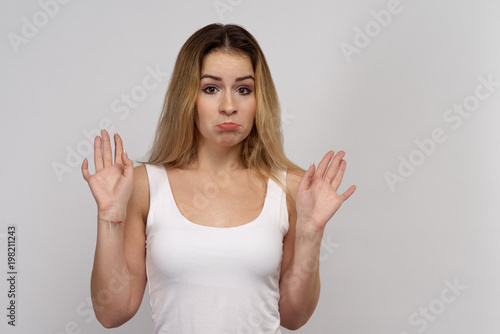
point(309, 230)
point(112, 215)
point(111, 221)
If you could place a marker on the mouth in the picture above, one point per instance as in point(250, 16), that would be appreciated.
point(227, 126)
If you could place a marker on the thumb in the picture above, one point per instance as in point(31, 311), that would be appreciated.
point(307, 178)
point(128, 164)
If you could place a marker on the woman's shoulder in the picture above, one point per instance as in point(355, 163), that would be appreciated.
point(138, 204)
point(293, 177)
point(141, 183)
point(140, 172)
point(144, 169)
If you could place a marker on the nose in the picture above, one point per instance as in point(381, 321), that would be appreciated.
point(227, 103)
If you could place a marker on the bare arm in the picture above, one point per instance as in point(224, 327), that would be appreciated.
point(299, 283)
point(119, 275)
point(317, 201)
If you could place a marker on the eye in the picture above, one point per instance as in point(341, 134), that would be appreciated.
point(244, 90)
point(210, 90)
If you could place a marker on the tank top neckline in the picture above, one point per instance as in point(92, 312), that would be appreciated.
point(193, 224)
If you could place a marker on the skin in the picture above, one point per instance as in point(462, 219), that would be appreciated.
point(224, 97)
point(226, 94)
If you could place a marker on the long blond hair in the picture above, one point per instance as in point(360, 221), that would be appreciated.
point(175, 143)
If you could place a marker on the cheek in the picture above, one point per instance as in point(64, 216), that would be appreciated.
point(201, 111)
point(252, 111)
point(248, 106)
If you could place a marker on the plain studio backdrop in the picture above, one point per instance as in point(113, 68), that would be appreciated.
point(409, 89)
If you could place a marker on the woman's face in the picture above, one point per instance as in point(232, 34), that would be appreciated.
point(226, 98)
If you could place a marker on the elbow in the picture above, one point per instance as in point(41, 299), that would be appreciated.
point(109, 323)
point(294, 324)
point(291, 328)
point(293, 319)
point(113, 316)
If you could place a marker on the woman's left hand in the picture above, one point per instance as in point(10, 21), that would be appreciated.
point(317, 199)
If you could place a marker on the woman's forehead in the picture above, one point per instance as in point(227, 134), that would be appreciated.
point(227, 62)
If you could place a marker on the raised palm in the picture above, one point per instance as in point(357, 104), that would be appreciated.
point(317, 199)
point(112, 183)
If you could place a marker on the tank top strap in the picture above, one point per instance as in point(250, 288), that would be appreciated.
point(162, 203)
point(159, 205)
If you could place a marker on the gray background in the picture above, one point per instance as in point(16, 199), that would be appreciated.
point(388, 254)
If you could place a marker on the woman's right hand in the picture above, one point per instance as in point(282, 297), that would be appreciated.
point(112, 184)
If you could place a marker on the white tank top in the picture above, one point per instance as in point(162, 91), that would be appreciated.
point(219, 280)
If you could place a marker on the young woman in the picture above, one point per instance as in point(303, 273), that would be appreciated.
point(226, 230)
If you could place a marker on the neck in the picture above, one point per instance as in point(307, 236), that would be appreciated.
point(215, 159)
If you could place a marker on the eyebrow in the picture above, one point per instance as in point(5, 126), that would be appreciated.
point(220, 79)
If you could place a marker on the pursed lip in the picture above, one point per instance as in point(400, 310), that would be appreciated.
point(228, 126)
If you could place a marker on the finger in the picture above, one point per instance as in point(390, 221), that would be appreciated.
point(106, 149)
point(323, 164)
point(305, 182)
point(332, 169)
point(118, 149)
point(348, 193)
point(85, 170)
point(98, 154)
point(340, 174)
point(129, 166)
